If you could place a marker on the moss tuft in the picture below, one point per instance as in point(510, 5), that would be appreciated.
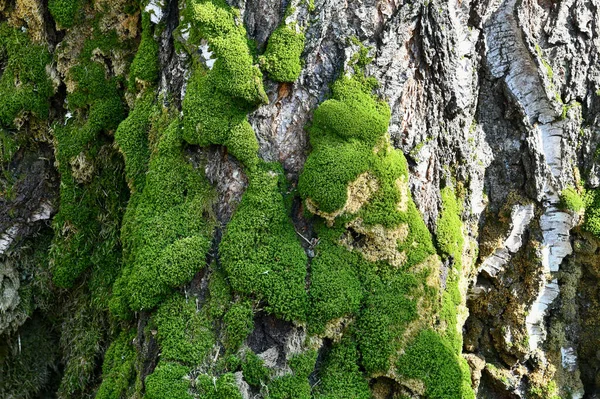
point(145, 64)
point(24, 83)
point(64, 12)
point(167, 230)
point(239, 322)
point(260, 251)
point(169, 380)
point(340, 376)
point(571, 200)
point(184, 334)
point(223, 387)
point(254, 370)
point(294, 385)
point(118, 369)
point(281, 59)
point(430, 359)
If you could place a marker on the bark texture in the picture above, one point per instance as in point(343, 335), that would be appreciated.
point(277, 199)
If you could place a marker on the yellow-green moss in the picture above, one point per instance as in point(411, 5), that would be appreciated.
point(281, 59)
point(260, 250)
point(169, 380)
point(167, 230)
point(430, 359)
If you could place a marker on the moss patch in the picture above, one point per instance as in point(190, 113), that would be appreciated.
point(169, 380)
point(24, 83)
point(281, 59)
point(260, 251)
point(118, 369)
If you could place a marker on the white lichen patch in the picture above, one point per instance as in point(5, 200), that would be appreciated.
point(206, 54)
point(155, 9)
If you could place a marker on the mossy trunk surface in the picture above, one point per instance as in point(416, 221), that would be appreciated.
point(237, 199)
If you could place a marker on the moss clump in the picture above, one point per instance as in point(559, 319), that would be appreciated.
point(223, 387)
point(449, 235)
point(370, 265)
point(344, 131)
point(430, 359)
point(239, 322)
point(254, 370)
point(217, 100)
point(294, 385)
point(132, 139)
point(145, 64)
point(335, 289)
point(64, 12)
point(24, 83)
point(169, 380)
point(260, 251)
point(592, 212)
point(340, 376)
point(281, 60)
point(571, 200)
point(234, 73)
point(184, 334)
point(118, 369)
point(212, 117)
point(167, 230)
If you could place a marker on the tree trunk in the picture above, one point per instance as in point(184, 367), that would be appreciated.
point(299, 199)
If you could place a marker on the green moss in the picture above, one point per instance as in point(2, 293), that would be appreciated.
point(571, 200)
point(335, 289)
point(239, 322)
point(449, 235)
point(234, 73)
point(184, 334)
point(168, 381)
point(386, 312)
point(27, 360)
point(592, 212)
point(294, 385)
point(145, 64)
point(167, 230)
point(430, 359)
point(8, 147)
point(64, 11)
point(223, 387)
point(118, 369)
point(282, 56)
point(217, 100)
point(348, 136)
point(132, 139)
point(24, 83)
point(340, 376)
point(254, 370)
point(260, 251)
point(87, 224)
point(212, 117)
point(219, 293)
